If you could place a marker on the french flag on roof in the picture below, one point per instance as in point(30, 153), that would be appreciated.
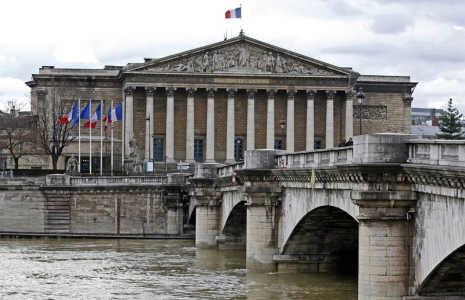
point(233, 13)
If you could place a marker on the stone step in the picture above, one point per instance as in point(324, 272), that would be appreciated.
point(59, 217)
point(57, 230)
point(57, 226)
point(57, 222)
point(57, 207)
point(57, 203)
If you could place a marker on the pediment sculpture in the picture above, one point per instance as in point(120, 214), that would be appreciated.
point(241, 59)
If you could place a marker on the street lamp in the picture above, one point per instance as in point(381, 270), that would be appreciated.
point(282, 122)
point(360, 97)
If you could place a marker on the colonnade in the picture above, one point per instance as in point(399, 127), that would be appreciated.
point(230, 127)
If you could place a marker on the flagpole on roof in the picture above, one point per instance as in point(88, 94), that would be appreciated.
point(90, 137)
point(79, 136)
point(101, 136)
point(241, 18)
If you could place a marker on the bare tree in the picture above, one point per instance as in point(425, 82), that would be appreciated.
point(53, 136)
point(18, 133)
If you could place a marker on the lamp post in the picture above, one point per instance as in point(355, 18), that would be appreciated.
point(282, 123)
point(360, 97)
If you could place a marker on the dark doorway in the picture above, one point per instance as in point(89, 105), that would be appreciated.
point(158, 150)
point(198, 150)
point(238, 149)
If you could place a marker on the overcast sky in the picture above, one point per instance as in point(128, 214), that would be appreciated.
point(424, 39)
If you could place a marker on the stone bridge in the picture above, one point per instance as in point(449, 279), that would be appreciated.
point(391, 208)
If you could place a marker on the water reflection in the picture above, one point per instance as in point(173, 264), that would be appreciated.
point(148, 269)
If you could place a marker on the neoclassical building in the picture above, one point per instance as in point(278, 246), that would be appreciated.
point(212, 103)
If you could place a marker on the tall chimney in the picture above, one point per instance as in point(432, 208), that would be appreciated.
point(432, 114)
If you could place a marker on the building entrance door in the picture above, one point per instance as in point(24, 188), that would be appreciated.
point(198, 150)
point(238, 149)
point(158, 149)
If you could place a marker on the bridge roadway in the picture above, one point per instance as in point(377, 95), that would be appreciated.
point(391, 207)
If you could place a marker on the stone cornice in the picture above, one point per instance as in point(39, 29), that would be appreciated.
point(439, 176)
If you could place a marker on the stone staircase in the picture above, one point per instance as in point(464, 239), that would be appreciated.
point(57, 214)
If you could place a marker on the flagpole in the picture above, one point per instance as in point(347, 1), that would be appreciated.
point(79, 136)
point(101, 137)
point(111, 108)
point(241, 18)
point(90, 137)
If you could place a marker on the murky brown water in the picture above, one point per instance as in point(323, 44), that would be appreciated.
point(148, 269)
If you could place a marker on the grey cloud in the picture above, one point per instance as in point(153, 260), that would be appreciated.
point(447, 12)
point(391, 24)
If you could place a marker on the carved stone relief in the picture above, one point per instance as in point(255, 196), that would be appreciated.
point(371, 112)
point(241, 59)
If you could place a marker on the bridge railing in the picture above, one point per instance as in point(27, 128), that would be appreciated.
point(437, 152)
point(108, 181)
point(316, 158)
point(229, 169)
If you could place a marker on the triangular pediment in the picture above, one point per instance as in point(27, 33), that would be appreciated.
point(241, 55)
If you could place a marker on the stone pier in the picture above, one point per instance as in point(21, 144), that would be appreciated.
point(208, 209)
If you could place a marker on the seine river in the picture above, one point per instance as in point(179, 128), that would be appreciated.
point(148, 269)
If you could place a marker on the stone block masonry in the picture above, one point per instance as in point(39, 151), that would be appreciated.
point(92, 210)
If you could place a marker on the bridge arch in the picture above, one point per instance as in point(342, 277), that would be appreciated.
point(297, 203)
point(324, 240)
point(448, 278)
point(233, 230)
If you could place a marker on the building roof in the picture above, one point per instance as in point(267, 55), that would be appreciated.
point(425, 131)
point(428, 131)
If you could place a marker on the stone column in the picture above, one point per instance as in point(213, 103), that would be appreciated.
point(149, 125)
point(385, 240)
point(310, 120)
point(407, 115)
point(190, 132)
point(349, 115)
point(41, 97)
point(385, 233)
point(290, 121)
point(129, 124)
point(208, 205)
point(170, 124)
point(210, 154)
point(174, 216)
point(270, 120)
point(263, 213)
point(251, 119)
point(330, 119)
point(230, 127)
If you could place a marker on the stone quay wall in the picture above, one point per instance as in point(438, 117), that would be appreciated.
point(27, 208)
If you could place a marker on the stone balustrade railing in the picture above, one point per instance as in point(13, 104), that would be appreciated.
point(316, 158)
point(437, 152)
point(228, 170)
point(108, 181)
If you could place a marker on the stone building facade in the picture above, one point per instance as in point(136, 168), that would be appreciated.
point(212, 103)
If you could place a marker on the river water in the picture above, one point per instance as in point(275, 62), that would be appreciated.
point(148, 269)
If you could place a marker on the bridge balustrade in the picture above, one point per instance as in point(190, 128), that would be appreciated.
point(229, 169)
point(316, 158)
point(108, 181)
point(437, 152)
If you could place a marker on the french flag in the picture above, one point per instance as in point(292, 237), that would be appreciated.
point(114, 115)
point(73, 114)
point(96, 117)
point(233, 13)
